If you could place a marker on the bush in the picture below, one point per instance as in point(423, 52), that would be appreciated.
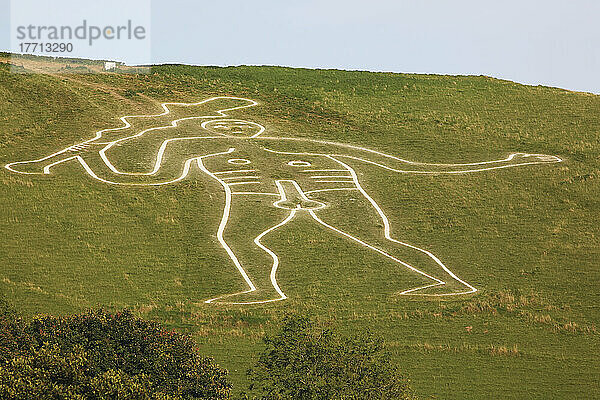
point(7, 312)
point(98, 355)
point(302, 363)
point(13, 340)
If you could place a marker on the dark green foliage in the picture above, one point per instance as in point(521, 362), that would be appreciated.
point(13, 340)
point(302, 362)
point(6, 310)
point(98, 355)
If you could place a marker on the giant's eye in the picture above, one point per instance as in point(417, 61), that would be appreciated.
point(299, 164)
point(238, 161)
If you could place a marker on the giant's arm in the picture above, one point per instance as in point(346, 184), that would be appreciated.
point(397, 164)
point(133, 127)
point(171, 115)
point(41, 165)
point(170, 165)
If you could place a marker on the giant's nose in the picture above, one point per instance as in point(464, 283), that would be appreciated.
point(293, 198)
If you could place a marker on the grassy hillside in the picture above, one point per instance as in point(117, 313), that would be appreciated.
point(527, 237)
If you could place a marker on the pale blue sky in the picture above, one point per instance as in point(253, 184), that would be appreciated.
point(549, 42)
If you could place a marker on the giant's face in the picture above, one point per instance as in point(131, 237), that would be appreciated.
point(233, 127)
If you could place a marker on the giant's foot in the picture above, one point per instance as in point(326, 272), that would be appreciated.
point(249, 297)
point(440, 289)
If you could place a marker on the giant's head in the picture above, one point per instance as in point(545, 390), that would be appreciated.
point(233, 127)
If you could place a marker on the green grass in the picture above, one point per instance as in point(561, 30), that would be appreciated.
point(527, 237)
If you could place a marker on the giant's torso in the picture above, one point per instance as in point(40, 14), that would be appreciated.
point(255, 165)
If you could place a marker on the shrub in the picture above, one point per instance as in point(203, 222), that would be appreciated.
point(98, 355)
point(302, 363)
point(7, 311)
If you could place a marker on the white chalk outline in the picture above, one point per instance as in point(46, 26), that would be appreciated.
point(239, 161)
point(221, 114)
point(284, 196)
point(241, 177)
point(232, 256)
point(258, 193)
point(234, 171)
point(387, 235)
point(298, 163)
point(126, 124)
point(329, 190)
point(261, 128)
point(330, 176)
point(242, 183)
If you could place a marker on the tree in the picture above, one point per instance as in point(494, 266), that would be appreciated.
point(302, 362)
point(98, 355)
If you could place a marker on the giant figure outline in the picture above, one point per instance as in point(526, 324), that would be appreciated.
point(292, 197)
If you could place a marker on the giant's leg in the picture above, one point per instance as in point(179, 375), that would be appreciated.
point(356, 216)
point(247, 222)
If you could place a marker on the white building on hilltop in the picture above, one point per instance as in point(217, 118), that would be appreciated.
point(110, 65)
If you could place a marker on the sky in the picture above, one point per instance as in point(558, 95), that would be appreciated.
point(548, 42)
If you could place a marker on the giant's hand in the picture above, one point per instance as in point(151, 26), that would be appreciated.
point(42, 165)
point(526, 158)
